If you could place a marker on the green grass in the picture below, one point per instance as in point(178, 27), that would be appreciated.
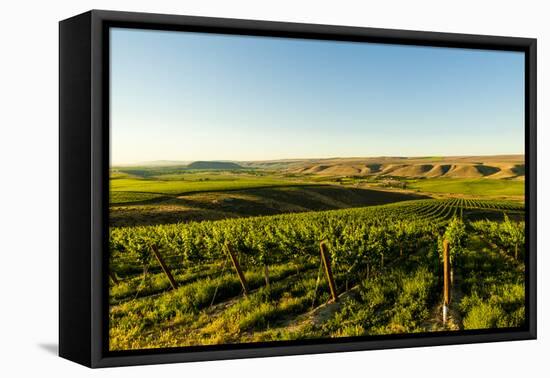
point(400, 298)
point(480, 187)
point(114, 175)
point(184, 186)
point(146, 322)
point(504, 307)
point(126, 190)
point(129, 197)
point(495, 288)
point(397, 301)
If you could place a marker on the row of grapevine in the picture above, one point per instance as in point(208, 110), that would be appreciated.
point(507, 235)
point(357, 238)
point(267, 240)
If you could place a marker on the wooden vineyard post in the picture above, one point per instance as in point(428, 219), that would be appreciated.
point(113, 277)
point(328, 270)
point(164, 267)
point(446, 279)
point(266, 275)
point(237, 267)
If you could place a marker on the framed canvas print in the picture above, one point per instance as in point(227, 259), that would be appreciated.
point(234, 188)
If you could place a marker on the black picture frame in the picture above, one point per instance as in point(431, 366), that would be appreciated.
point(84, 185)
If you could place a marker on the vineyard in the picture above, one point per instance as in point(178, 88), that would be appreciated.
point(360, 271)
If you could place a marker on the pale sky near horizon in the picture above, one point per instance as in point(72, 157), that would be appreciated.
point(195, 96)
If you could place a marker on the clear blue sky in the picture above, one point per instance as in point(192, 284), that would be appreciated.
point(193, 96)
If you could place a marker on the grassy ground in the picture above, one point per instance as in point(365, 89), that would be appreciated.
point(494, 284)
point(126, 190)
point(405, 297)
point(211, 195)
point(479, 187)
point(208, 307)
point(216, 205)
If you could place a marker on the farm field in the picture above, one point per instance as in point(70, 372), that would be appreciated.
point(135, 189)
point(165, 195)
point(241, 248)
point(262, 278)
point(222, 204)
point(476, 187)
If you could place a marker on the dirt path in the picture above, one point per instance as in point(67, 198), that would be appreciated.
point(319, 314)
point(454, 320)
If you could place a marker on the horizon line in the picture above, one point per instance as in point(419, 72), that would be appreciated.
point(312, 158)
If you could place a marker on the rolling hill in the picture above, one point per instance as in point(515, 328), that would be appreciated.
point(492, 167)
point(214, 165)
point(467, 167)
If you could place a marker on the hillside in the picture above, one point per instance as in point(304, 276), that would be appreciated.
point(492, 167)
point(251, 202)
point(220, 165)
point(467, 167)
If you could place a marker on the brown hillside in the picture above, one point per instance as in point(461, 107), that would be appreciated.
point(463, 171)
point(342, 170)
point(493, 167)
point(416, 170)
point(438, 170)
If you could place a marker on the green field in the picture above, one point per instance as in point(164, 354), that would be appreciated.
point(125, 190)
point(383, 234)
point(165, 196)
point(139, 208)
point(386, 262)
point(477, 187)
